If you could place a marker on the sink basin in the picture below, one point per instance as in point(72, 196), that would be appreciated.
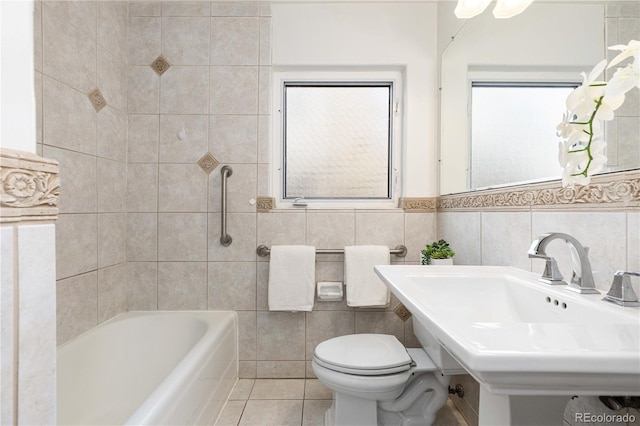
point(518, 336)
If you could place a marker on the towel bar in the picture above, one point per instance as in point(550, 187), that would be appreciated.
point(400, 251)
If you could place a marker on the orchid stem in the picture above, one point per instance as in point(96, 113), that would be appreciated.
point(590, 133)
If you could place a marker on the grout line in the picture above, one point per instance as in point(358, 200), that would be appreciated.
point(208, 150)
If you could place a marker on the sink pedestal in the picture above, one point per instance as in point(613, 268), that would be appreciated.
point(520, 410)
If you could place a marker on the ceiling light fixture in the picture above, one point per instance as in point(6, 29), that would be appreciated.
point(466, 9)
point(508, 8)
point(470, 8)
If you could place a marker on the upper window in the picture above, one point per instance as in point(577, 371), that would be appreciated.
point(513, 126)
point(337, 141)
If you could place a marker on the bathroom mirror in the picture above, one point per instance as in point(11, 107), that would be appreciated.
point(549, 44)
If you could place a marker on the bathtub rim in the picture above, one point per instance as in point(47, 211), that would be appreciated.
point(131, 314)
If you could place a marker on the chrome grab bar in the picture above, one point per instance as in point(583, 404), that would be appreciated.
point(225, 239)
point(400, 250)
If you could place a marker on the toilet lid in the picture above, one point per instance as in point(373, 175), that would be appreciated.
point(365, 354)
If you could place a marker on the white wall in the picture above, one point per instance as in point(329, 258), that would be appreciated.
point(546, 37)
point(373, 34)
point(27, 284)
point(17, 112)
point(28, 336)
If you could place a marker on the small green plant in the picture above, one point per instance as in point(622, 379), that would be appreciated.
point(437, 250)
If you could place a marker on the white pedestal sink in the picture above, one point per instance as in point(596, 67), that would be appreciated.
point(529, 345)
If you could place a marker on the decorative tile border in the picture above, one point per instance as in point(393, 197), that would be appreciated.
point(29, 187)
point(265, 204)
point(419, 205)
point(614, 190)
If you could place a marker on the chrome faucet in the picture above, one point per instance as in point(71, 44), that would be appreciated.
point(621, 292)
point(582, 279)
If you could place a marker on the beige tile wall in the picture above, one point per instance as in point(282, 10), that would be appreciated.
point(622, 24)
point(81, 46)
point(217, 89)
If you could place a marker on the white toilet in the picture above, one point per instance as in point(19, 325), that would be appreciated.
point(377, 381)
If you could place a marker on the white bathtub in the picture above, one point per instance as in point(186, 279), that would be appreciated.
point(149, 368)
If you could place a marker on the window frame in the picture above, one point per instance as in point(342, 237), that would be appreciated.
point(329, 76)
point(334, 77)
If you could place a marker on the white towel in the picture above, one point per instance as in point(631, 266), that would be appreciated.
point(364, 287)
point(292, 276)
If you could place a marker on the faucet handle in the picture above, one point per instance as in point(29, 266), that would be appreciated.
point(621, 291)
point(551, 274)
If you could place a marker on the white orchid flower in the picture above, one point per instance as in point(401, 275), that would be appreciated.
point(624, 79)
point(581, 160)
point(572, 155)
point(574, 169)
point(629, 50)
point(565, 128)
point(608, 104)
point(598, 158)
point(573, 174)
point(578, 130)
point(569, 180)
point(597, 165)
point(570, 129)
point(579, 169)
point(580, 100)
point(592, 96)
point(597, 147)
point(562, 155)
point(595, 72)
point(581, 153)
point(566, 156)
point(597, 129)
point(580, 135)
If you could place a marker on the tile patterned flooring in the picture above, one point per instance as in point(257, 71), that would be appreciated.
point(300, 402)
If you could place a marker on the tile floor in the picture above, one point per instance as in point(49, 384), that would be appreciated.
point(280, 402)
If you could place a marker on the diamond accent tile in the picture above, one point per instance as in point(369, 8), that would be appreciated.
point(97, 100)
point(208, 163)
point(160, 65)
point(402, 312)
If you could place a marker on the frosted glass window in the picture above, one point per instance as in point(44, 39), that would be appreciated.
point(337, 140)
point(513, 132)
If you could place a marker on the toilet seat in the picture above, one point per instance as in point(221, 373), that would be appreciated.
point(363, 355)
